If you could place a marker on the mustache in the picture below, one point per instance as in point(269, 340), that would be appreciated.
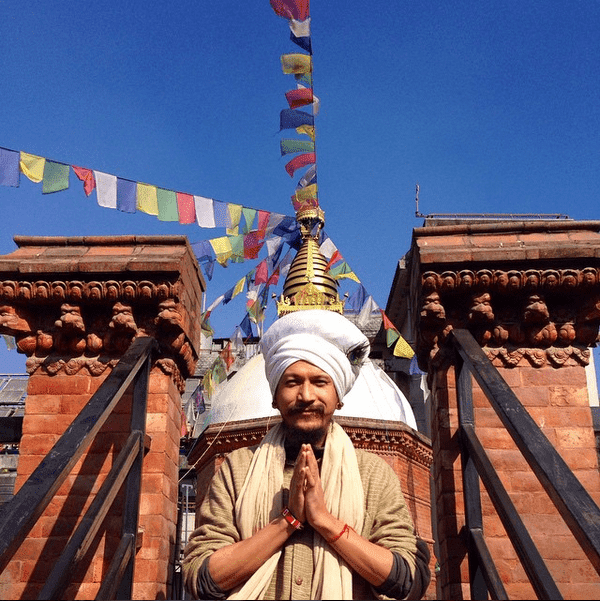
point(304, 409)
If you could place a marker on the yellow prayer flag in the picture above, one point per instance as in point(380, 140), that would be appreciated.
point(350, 275)
point(309, 130)
point(402, 349)
point(303, 194)
point(239, 287)
point(222, 248)
point(32, 166)
point(235, 214)
point(296, 63)
point(147, 200)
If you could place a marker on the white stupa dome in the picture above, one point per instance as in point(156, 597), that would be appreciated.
point(247, 396)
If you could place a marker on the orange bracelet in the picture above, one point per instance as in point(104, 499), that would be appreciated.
point(290, 519)
point(346, 528)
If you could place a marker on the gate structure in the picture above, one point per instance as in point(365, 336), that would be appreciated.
point(526, 297)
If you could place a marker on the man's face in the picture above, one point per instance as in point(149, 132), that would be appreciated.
point(306, 398)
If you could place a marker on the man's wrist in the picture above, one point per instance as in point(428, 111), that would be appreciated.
point(327, 526)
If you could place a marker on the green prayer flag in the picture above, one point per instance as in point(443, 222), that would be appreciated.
point(56, 177)
point(249, 215)
point(167, 205)
point(391, 336)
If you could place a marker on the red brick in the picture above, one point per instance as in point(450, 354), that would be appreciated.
point(576, 438)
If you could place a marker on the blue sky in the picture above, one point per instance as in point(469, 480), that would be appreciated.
point(491, 106)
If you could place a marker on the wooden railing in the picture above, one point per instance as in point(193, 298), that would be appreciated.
point(574, 504)
point(19, 515)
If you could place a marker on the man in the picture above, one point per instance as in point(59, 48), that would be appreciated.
point(304, 515)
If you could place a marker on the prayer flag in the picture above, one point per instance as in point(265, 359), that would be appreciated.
point(302, 160)
point(290, 146)
point(87, 177)
point(414, 367)
point(296, 63)
point(249, 215)
point(274, 220)
point(222, 218)
point(56, 177)
point(227, 356)
point(222, 248)
point(263, 220)
point(299, 97)
point(237, 245)
point(126, 195)
point(391, 336)
point(205, 215)
point(387, 324)
point(216, 302)
point(310, 177)
point(356, 300)
point(202, 250)
point(304, 79)
point(300, 34)
point(9, 168)
point(272, 281)
point(308, 130)
point(403, 349)
point(337, 256)
point(304, 42)
point(239, 286)
point(343, 271)
point(235, 214)
point(291, 119)
point(261, 273)
point(286, 263)
point(186, 208)
point(291, 9)
point(147, 201)
point(252, 245)
point(106, 189)
point(246, 326)
point(327, 248)
point(167, 205)
point(32, 166)
point(369, 308)
point(209, 268)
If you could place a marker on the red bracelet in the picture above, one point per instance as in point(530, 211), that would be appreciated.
point(290, 519)
point(346, 528)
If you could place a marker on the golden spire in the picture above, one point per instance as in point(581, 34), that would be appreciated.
point(308, 284)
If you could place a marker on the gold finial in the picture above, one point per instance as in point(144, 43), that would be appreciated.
point(308, 284)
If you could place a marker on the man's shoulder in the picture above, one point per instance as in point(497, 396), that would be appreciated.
point(372, 464)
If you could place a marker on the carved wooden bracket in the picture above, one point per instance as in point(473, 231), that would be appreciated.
point(72, 325)
point(548, 316)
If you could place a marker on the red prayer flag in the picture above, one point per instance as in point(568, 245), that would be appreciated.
point(252, 244)
point(337, 256)
point(292, 9)
point(87, 177)
point(261, 273)
point(387, 324)
point(274, 278)
point(186, 208)
point(263, 221)
point(300, 161)
point(299, 97)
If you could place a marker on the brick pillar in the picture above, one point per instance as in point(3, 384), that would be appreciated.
point(74, 306)
point(530, 294)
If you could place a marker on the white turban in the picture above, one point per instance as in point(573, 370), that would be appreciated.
point(323, 338)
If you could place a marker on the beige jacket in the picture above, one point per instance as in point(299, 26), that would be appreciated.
point(387, 523)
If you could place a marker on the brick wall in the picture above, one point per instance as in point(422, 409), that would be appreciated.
point(52, 404)
point(558, 402)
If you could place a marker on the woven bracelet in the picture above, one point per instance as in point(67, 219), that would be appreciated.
point(290, 519)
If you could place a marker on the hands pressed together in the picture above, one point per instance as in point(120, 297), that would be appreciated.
point(307, 501)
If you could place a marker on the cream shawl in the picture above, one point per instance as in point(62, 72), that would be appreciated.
point(261, 501)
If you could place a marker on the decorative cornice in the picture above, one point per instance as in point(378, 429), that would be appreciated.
point(542, 316)
point(67, 326)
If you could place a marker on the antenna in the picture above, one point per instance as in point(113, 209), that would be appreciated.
point(417, 213)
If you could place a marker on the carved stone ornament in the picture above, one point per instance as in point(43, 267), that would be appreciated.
point(69, 326)
point(542, 316)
